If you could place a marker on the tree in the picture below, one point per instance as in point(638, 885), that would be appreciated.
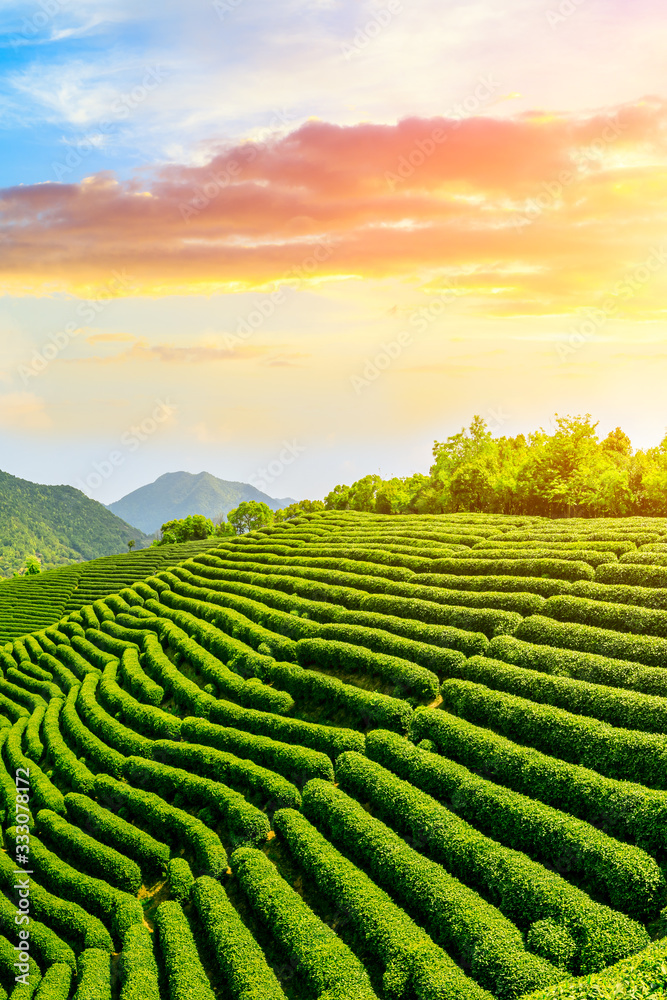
point(32, 566)
point(186, 529)
point(131, 544)
point(250, 515)
point(299, 508)
point(618, 442)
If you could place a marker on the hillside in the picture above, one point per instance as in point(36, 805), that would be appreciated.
point(488, 694)
point(177, 494)
point(59, 524)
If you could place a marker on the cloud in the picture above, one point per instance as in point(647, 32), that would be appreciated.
point(23, 411)
point(542, 208)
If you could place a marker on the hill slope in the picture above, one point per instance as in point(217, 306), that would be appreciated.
point(59, 524)
point(462, 679)
point(177, 494)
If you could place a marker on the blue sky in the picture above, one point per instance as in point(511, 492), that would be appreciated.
point(113, 117)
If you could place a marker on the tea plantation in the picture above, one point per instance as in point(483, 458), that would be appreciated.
point(349, 757)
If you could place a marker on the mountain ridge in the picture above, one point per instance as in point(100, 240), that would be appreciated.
point(59, 524)
point(175, 495)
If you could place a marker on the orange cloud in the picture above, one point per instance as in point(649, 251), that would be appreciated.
point(537, 213)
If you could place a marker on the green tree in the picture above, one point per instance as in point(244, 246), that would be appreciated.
point(131, 543)
point(250, 515)
point(32, 566)
point(299, 508)
point(186, 529)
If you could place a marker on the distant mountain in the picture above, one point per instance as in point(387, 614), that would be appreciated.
point(58, 524)
point(177, 494)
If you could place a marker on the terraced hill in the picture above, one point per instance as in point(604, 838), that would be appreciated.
point(349, 757)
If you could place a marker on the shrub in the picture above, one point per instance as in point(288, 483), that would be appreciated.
point(56, 983)
point(633, 574)
point(180, 880)
point(621, 593)
point(162, 820)
point(88, 853)
point(137, 966)
point(524, 890)
point(645, 649)
point(45, 942)
point(411, 960)
point(244, 776)
point(34, 748)
point(330, 740)
point(244, 822)
point(451, 913)
point(367, 708)
point(185, 975)
point(552, 942)
point(92, 749)
point(625, 810)
point(409, 677)
point(558, 569)
point(433, 658)
point(150, 854)
point(94, 978)
point(625, 754)
point(323, 961)
point(621, 874)
point(581, 666)
point(297, 763)
point(59, 756)
point(116, 908)
point(238, 957)
point(62, 916)
point(137, 680)
point(147, 719)
point(44, 793)
point(113, 733)
point(604, 614)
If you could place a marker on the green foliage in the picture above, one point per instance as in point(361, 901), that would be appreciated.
point(621, 874)
point(63, 916)
point(250, 515)
point(180, 880)
point(626, 810)
point(137, 966)
point(88, 853)
point(186, 529)
point(410, 958)
point(642, 976)
point(94, 975)
point(165, 822)
point(150, 854)
point(54, 525)
point(56, 982)
point(321, 959)
point(239, 959)
point(625, 754)
point(522, 889)
point(582, 666)
point(185, 975)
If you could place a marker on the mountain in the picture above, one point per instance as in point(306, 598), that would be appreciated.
point(59, 524)
point(177, 494)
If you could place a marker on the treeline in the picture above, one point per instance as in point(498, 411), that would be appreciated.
point(569, 473)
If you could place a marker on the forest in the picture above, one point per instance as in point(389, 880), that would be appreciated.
point(571, 472)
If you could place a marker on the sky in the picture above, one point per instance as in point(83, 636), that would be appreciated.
point(293, 244)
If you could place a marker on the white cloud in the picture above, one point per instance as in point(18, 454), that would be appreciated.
point(23, 411)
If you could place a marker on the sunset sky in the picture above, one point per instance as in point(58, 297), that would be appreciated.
point(316, 236)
